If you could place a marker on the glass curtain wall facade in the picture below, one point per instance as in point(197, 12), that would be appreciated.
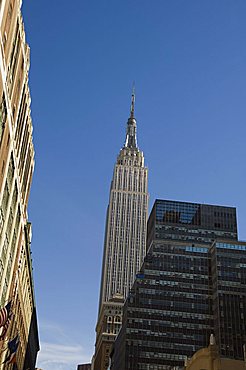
point(178, 296)
point(228, 275)
point(167, 315)
point(191, 221)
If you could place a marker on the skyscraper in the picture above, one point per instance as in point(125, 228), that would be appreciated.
point(16, 170)
point(192, 283)
point(125, 234)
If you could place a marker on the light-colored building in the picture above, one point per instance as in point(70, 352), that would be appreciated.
point(16, 170)
point(108, 327)
point(125, 234)
point(209, 359)
point(126, 224)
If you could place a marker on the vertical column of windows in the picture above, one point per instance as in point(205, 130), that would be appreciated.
point(116, 177)
point(112, 246)
point(5, 249)
point(13, 225)
point(4, 292)
point(119, 178)
point(130, 180)
point(9, 245)
point(144, 200)
point(7, 24)
point(110, 240)
point(135, 183)
point(119, 241)
point(24, 186)
point(10, 173)
point(18, 217)
point(140, 181)
point(14, 198)
point(5, 199)
point(24, 150)
point(3, 116)
point(133, 241)
point(145, 181)
point(139, 232)
point(125, 179)
point(128, 238)
point(14, 240)
point(3, 264)
point(10, 223)
point(14, 58)
point(9, 266)
point(14, 45)
point(21, 120)
point(114, 181)
point(1, 220)
point(1, 269)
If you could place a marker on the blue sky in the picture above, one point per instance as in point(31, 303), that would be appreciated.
point(188, 61)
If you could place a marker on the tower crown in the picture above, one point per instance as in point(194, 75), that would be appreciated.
point(131, 130)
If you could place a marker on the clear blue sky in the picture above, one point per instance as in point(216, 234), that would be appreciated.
point(188, 61)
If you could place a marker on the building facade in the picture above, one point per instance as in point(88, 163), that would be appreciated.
point(209, 358)
point(202, 223)
point(108, 327)
point(84, 367)
point(228, 280)
point(126, 224)
point(126, 229)
point(181, 295)
point(16, 170)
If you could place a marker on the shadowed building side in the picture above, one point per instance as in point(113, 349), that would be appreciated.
point(84, 367)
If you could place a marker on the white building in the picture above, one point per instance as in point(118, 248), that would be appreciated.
point(125, 235)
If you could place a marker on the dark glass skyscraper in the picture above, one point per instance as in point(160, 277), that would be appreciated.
point(202, 223)
point(228, 278)
point(186, 289)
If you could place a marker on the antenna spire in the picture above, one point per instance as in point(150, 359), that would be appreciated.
point(131, 130)
point(133, 101)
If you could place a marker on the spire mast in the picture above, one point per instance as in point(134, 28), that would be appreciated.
point(133, 101)
point(131, 130)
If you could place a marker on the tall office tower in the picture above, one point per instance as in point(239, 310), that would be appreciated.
point(125, 238)
point(228, 280)
point(192, 283)
point(16, 169)
point(191, 221)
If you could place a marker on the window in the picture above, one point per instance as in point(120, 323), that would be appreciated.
point(3, 116)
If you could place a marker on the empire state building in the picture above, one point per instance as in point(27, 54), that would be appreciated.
point(125, 238)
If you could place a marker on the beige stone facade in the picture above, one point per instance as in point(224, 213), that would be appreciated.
point(125, 237)
point(209, 359)
point(16, 170)
point(126, 224)
point(108, 326)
